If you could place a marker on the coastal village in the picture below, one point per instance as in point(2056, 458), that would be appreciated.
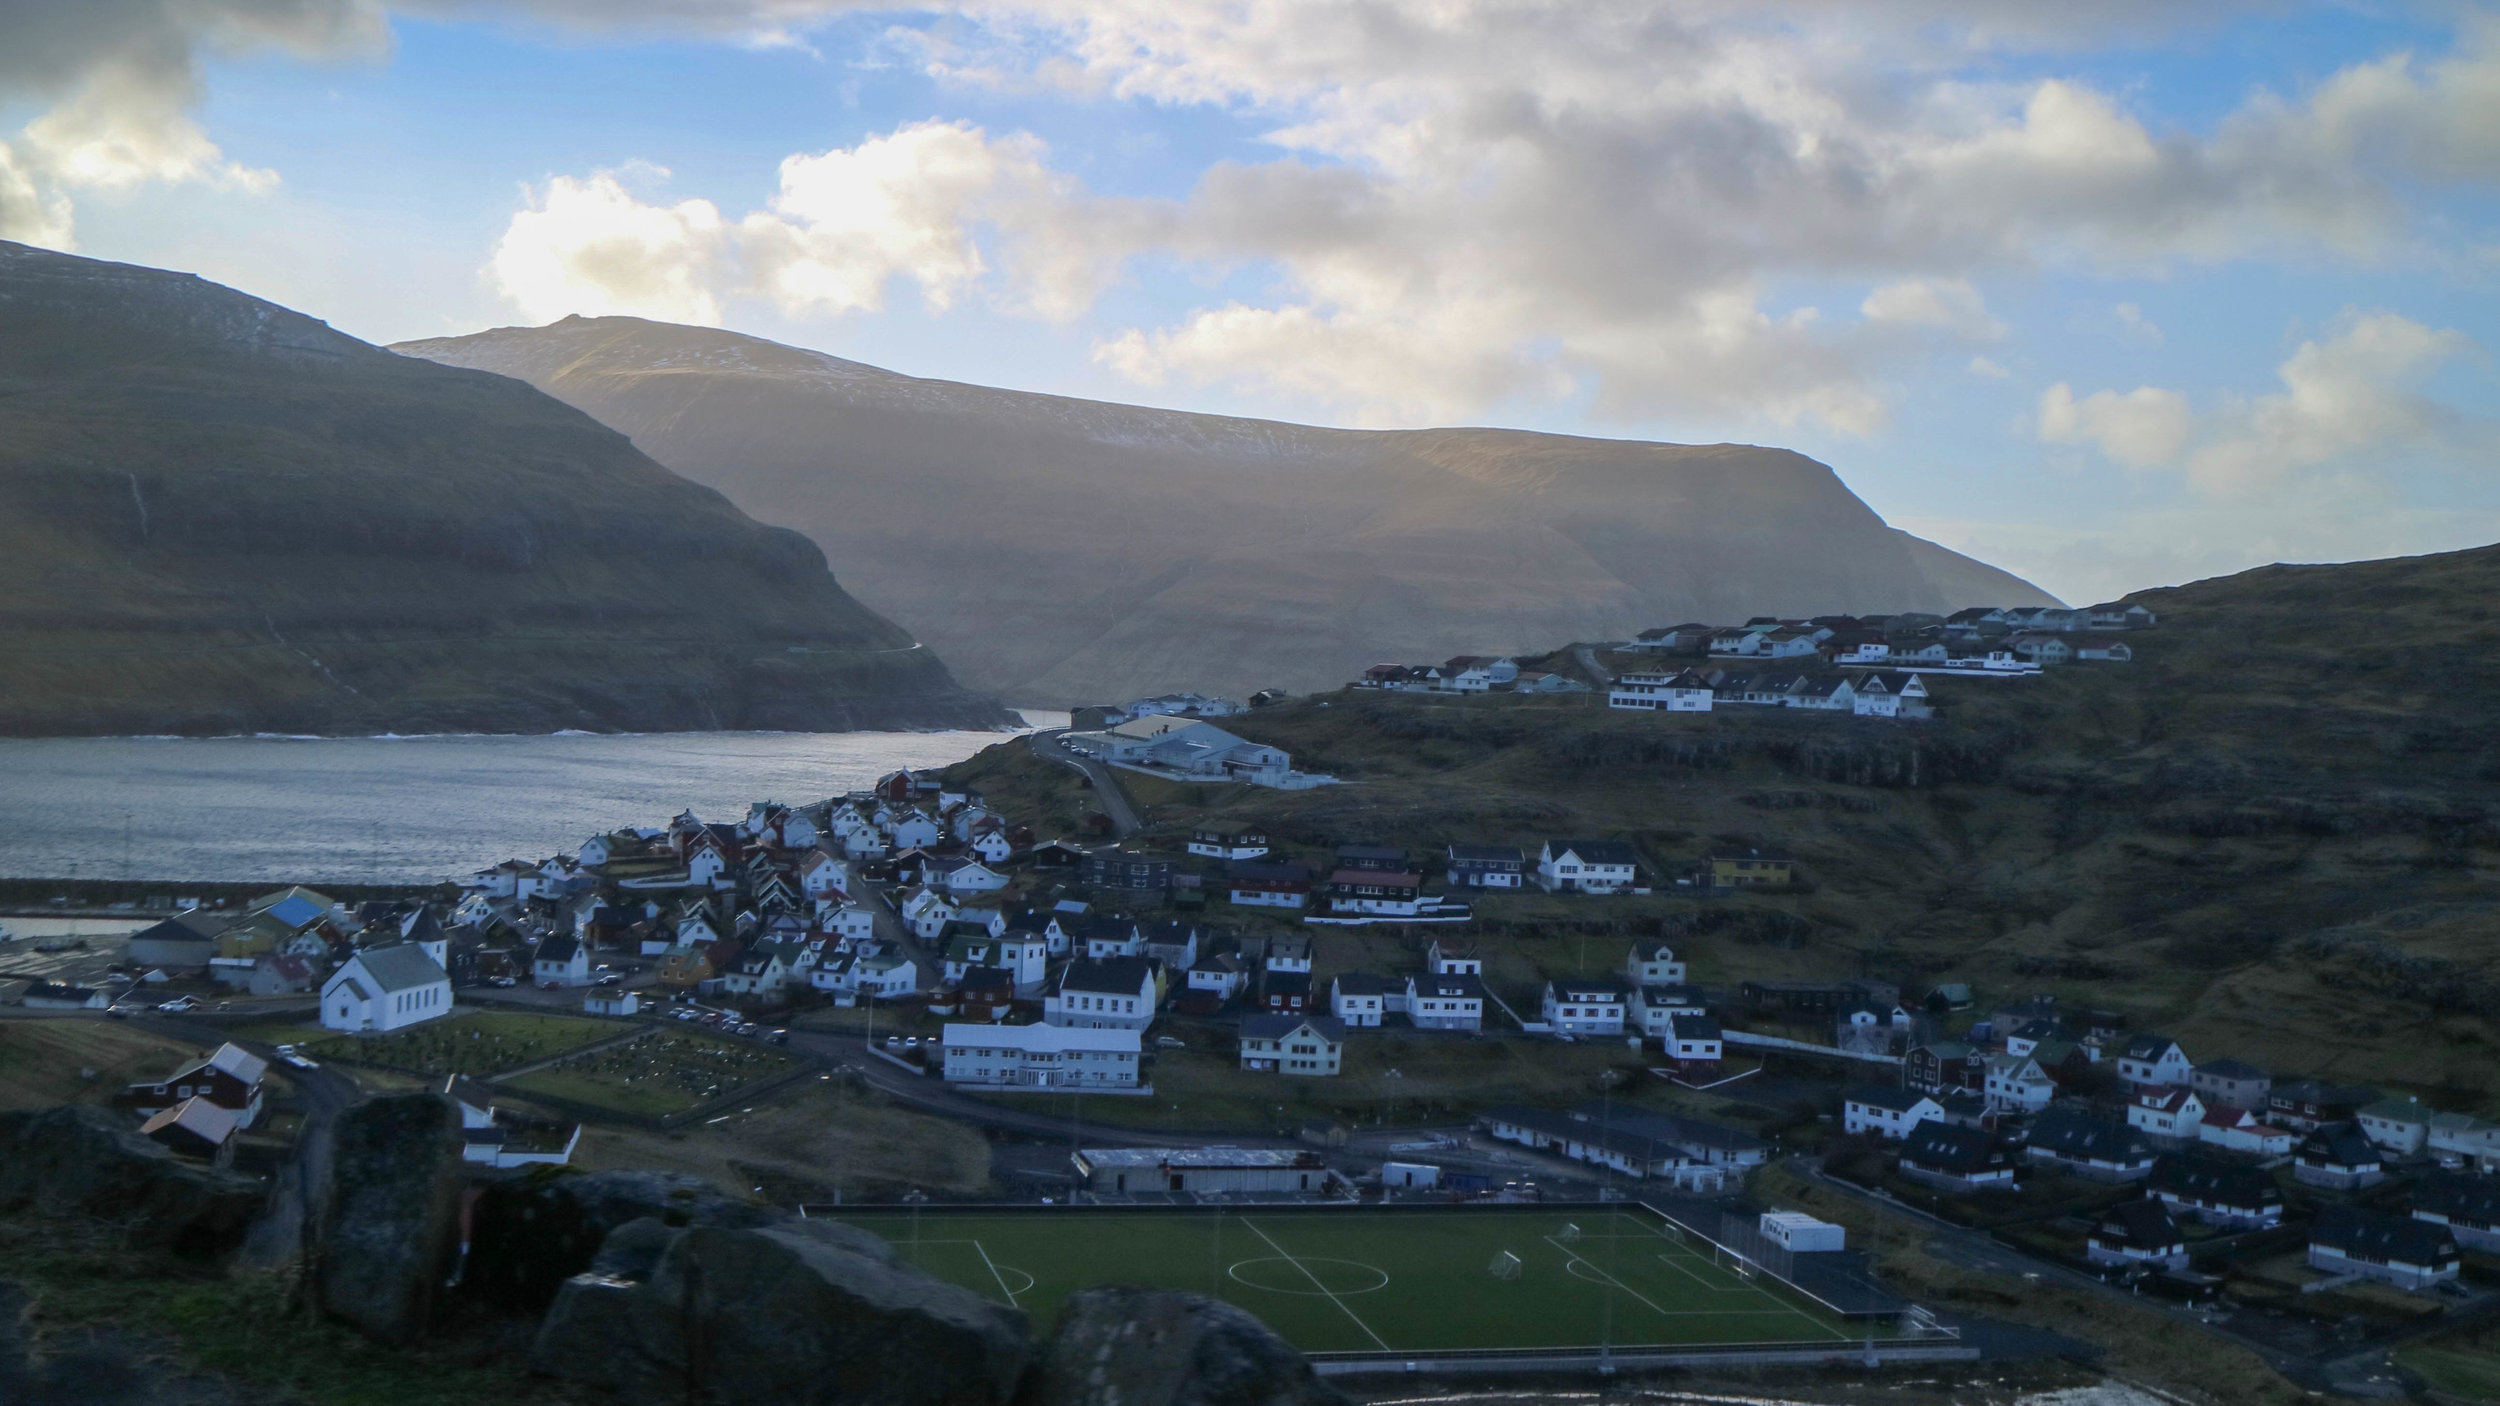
point(1004, 963)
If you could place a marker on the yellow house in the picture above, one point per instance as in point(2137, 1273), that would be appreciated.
point(255, 936)
point(1750, 869)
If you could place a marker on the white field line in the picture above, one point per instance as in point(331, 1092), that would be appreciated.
point(1783, 1304)
point(984, 1252)
point(1307, 1274)
point(1573, 1255)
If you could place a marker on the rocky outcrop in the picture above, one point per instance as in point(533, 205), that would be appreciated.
point(799, 1314)
point(1153, 1347)
point(527, 1237)
point(89, 1159)
point(390, 1220)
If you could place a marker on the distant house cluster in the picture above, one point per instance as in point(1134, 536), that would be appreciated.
point(1467, 673)
point(1888, 693)
point(1180, 747)
point(1982, 639)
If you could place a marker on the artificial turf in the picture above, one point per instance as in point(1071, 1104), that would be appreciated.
point(1370, 1281)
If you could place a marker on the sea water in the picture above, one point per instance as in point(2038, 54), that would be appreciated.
point(401, 809)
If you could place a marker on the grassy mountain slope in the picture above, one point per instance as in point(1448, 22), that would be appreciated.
point(2276, 834)
point(222, 516)
point(1062, 550)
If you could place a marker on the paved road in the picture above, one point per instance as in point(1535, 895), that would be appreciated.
point(1115, 803)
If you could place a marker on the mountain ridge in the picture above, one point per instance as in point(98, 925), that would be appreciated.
point(229, 517)
point(1064, 550)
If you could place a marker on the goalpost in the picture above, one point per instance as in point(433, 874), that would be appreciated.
point(1505, 1265)
point(1570, 1234)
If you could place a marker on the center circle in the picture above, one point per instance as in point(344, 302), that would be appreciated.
point(1279, 1275)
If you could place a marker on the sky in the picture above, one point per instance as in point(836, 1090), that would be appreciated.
point(2113, 296)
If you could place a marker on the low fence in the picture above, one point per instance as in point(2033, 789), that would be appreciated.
point(1869, 1354)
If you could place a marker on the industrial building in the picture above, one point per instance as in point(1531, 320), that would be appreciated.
point(1116, 1171)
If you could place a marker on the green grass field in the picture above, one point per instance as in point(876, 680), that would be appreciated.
point(1367, 1282)
point(659, 1073)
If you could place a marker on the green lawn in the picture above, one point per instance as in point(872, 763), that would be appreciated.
point(2460, 1372)
point(1377, 1281)
point(475, 1043)
point(663, 1072)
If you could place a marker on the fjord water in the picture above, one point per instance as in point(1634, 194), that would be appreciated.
point(399, 809)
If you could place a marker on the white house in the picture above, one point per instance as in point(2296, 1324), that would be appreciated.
point(2400, 1125)
point(486, 1141)
point(1887, 1111)
point(1311, 1046)
point(1040, 1057)
point(1586, 866)
point(2241, 1130)
point(971, 876)
point(2154, 1059)
point(1681, 692)
point(823, 875)
point(1653, 964)
point(2016, 1084)
point(846, 920)
point(1227, 842)
point(560, 960)
point(1693, 1039)
point(927, 912)
point(1445, 958)
point(2409, 1253)
point(2166, 1111)
point(1445, 1001)
point(1590, 1006)
point(1654, 1008)
point(603, 1001)
point(386, 988)
point(1116, 993)
point(1360, 998)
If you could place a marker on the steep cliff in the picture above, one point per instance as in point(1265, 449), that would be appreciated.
point(217, 515)
point(1063, 550)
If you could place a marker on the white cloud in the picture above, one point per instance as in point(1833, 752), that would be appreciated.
point(2350, 407)
point(592, 247)
point(1989, 367)
point(1947, 304)
point(2352, 395)
point(2137, 327)
point(2145, 428)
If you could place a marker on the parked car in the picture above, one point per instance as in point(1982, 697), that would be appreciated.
point(1166, 1042)
point(180, 1005)
point(301, 1061)
point(778, 1037)
point(611, 979)
point(505, 981)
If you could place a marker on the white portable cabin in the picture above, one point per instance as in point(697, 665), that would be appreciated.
point(1799, 1233)
point(1409, 1174)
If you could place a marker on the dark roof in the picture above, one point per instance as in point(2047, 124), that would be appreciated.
point(469, 1091)
point(1487, 854)
point(1271, 1027)
point(1085, 927)
point(1597, 851)
point(2380, 1236)
point(1464, 986)
point(401, 965)
point(2143, 1223)
point(1287, 983)
point(1670, 1128)
point(1764, 856)
point(1899, 1100)
point(1171, 933)
point(2318, 1091)
point(1600, 988)
point(558, 948)
point(1271, 873)
point(1946, 1147)
point(1688, 1026)
point(193, 926)
point(2458, 1196)
point(1613, 1137)
point(986, 979)
point(1122, 975)
point(1380, 852)
point(2146, 1046)
point(2230, 1069)
point(1363, 984)
point(2080, 1134)
point(2338, 1145)
point(2214, 1181)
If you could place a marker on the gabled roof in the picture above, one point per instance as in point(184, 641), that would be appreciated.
point(237, 1061)
point(2144, 1223)
point(401, 966)
point(1946, 1147)
point(1595, 851)
point(1362, 984)
point(469, 1091)
point(1888, 1096)
point(1486, 854)
point(2338, 1145)
point(1590, 988)
point(559, 947)
point(1460, 986)
point(2080, 1134)
point(2147, 1046)
point(2458, 1196)
point(1276, 1027)
point(1123, 976)
point(196, 1116)
point(2381, 1237)
point(1688, 1026)
point(2214, 1181)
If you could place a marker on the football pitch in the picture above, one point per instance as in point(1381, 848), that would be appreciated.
point(1357, 1281)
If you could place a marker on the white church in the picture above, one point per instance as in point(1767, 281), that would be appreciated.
point(388, 988)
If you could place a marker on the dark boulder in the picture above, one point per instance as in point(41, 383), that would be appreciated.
point(799, 1314)
point(89, 1159)
point(528, 1235)
point(1153, 1347)
point(390, 1222)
